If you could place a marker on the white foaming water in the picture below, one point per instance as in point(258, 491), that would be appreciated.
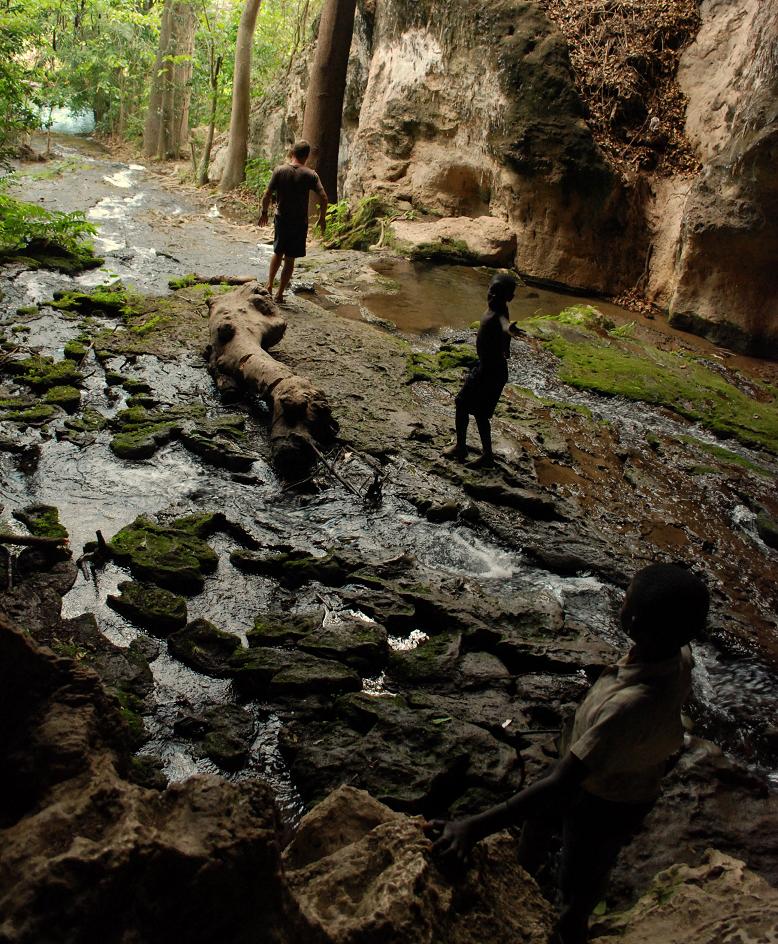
point(111, 208)
point(137, 167)
point(213, 213)
point(122, 178)
point(107, 244)
point(406, 643)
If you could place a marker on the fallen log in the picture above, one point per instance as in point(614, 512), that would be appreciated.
point(243, 325)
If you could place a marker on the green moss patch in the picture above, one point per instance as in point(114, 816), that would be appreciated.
point(726, 456)
point(358, 229)
point(141, 431)
point(443, 365)
point(205, 648)
point(112, 300)
point(171, 556)
point(27, 414)
point(75, 350)
point(620, 367)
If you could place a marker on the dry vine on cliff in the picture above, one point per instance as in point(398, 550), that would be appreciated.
point(625, 55)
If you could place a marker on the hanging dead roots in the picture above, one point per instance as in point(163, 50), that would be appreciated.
point(625, 54)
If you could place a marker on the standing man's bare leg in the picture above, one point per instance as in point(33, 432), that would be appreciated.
point(286, 276)
point(275, 264)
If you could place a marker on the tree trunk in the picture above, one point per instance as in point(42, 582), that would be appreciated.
point(167, 121)
point(205, 160)
point(151, 127)
point(324, 104)
point(243, 324)
point(237, 149)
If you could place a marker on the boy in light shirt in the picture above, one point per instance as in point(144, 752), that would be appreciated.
point(625, 731)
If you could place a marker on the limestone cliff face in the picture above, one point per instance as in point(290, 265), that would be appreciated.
point(716, 235)
point(471, 109)
point(466, 109)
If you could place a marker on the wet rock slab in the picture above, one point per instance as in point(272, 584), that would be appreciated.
point(415, 760)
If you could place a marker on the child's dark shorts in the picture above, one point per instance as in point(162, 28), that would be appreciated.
point(482, 389)
point(290, 237)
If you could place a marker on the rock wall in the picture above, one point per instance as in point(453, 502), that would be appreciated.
point(716, 235)
point(461, 109)
point(471, 110)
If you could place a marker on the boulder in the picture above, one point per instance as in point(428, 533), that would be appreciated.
point(719, 900)
point(362, 874)
point(414, 760)
point(88, 855)
point(484, 240)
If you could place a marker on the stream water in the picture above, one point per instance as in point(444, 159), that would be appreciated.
point(148, 233)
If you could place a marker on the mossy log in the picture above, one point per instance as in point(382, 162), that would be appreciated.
point(243, 325)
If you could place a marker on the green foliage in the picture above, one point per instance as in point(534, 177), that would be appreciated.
point(357, 229)
point(25, 225)
point(258, 173)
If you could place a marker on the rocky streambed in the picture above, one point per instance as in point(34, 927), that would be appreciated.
point(398, 624)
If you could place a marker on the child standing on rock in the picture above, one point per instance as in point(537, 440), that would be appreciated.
point(484, 384)
point(624, 734)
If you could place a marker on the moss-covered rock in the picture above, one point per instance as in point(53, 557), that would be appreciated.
point(767, 528)
point(151, 607)
point(42, 521)
point(444, 251)
point(75, 350)
point(41, 372)
point(89, 421)
point(205, 648)
point(358, 229)
point(66, 397)
point(294, 568)
point(26, 411)
point(223, 733)
point(680, 382)
point(433, 660)
point(307, 675)
point(278, 629)
point(362, 645)
point(168, 555)
point(112, 300)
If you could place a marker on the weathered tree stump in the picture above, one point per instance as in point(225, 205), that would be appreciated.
point(243, 325)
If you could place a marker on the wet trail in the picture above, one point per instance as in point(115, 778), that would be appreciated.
point(147, 234)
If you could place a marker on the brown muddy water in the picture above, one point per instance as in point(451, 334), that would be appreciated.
point(149, 232)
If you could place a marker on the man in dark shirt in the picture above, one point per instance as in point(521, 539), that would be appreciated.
point(291, 184)
point(483, 386)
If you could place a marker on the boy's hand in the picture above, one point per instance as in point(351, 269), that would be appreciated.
point(453, 843)
point(263, 218)
point(516, 331)
point(322, 223)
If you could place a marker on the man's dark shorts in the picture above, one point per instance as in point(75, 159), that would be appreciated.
point(289, 238)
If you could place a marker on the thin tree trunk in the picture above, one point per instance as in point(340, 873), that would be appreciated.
point(237, 149)
point(205, 160)
point(324, 105)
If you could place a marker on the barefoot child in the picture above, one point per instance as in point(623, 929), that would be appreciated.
point(625, 731)
point(483, 386)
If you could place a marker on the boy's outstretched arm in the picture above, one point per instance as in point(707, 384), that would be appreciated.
point(556, 791)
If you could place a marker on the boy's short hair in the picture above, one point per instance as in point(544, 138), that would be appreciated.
point(502, 285)
point(301, 150)
point(669, 600)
